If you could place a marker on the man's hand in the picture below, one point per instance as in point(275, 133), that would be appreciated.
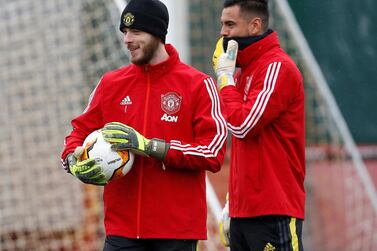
point(224, 63)
point(124, 137)
point(224, 225)
point(87, 170)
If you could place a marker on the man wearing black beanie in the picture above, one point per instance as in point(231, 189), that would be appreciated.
point(146, 15)
point(169, 115)
point(151, 17)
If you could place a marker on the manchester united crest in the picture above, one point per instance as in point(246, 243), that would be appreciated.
point(128, 19)
point(171, 102)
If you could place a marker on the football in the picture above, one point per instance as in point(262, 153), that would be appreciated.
point(114, 164)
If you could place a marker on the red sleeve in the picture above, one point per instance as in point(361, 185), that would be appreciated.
point(83, 125)
point(207, 150)
point(267, 98)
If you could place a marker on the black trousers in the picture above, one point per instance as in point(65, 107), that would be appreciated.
point(266, 233)
point(118, 243)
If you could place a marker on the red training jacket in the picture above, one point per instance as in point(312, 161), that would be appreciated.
point(266, 118)
point(170, 101)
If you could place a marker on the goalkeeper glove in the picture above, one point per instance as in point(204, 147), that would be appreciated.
point(224, 63)
point(124, 137)
point(87, 170)
point(218, 51)
point(224, 224)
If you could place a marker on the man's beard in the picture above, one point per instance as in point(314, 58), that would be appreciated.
point(149, 50)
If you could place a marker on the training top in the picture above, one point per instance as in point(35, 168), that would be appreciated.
point(170, 101)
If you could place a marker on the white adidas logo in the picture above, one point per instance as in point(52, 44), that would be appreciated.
point(126, 101)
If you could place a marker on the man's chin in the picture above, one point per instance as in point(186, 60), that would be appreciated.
point(140, 60)
point(135, 60)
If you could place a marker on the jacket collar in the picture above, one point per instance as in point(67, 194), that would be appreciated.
point(254, 51)
point(160, 68)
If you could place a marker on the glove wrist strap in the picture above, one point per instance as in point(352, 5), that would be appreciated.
point(70, 160)
point(157, 148)
point(224, 80)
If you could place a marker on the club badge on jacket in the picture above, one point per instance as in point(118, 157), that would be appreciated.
point(170, 104)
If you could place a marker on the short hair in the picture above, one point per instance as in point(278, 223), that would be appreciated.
point(256, 7)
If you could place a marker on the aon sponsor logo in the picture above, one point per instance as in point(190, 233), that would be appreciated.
point(169, 118)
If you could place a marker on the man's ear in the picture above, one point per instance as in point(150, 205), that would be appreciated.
point(255, 27)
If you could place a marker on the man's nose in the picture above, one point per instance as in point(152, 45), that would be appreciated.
point(224, 32)
point(127, 37)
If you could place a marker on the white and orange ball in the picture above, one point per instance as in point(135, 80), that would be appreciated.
point(114, 164)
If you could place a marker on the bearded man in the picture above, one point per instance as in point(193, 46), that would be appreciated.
point(169, 114)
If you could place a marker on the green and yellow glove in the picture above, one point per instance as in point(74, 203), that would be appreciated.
point(224, 224)
point(124, 137)
point(224, 63)
point(86, 170)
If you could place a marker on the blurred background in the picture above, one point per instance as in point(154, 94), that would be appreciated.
point(52, 54)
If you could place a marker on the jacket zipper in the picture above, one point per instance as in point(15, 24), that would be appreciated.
point(141, 170)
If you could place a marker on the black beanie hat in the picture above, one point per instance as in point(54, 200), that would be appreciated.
point(150, 16)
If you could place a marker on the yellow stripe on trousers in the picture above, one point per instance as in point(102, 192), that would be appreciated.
point(292, 227)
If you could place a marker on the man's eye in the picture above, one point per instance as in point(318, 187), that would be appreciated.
point(230, 24)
